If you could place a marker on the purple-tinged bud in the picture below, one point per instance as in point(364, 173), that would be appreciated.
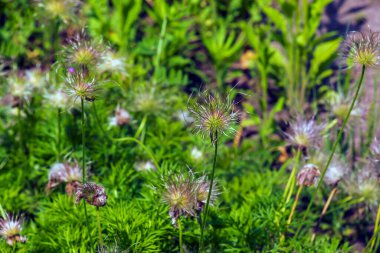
point(94, 194)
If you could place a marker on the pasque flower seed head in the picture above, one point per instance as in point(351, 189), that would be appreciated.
point(81, 86)
point(10, 229)
point(304, 133)
point(212, 115)
point(308, 175)
point(181, 196)
point(362, 48)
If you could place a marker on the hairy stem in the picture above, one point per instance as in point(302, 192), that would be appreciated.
point(333, 150)
point(209, 191)
point(84, 166)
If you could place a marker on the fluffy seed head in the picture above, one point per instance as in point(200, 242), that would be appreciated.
point(181, 196)
point(110, 62)
point(81, 52)
point(10, 229)
point(308, 175)
point(362, 48)
point(94, 194)
point(212, 115)
point(148, 100)
point(336, 170)
point(57, 99)
point(304, 133)
point(61, 9)
point(80, 86)
point(339, 104)
point(364, 184)
point(69, 173)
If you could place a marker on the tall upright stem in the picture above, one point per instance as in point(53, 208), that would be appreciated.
point(99, 228)
point(209, 191)
point(333, 149)
point(83, 166)
point(59, 135)
point(294, 205)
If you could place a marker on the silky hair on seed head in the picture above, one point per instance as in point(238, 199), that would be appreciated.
point(213, 115)
point(362, 48)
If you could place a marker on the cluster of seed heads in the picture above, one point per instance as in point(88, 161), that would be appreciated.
point(186, 195)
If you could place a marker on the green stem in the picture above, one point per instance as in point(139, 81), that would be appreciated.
point(333, 150)
point(59, 135)
point(100, 229)
point(294, 205)
point(83, 167)
point(180, 236)
point(141, 127)
point(209, 191)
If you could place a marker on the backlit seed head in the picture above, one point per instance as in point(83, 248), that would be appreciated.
point(304, 133)
point(110, 62)
point(149, 100)
point(364, 184)
point(94, 194)
point(82, 53)
point(181, 196)
point(308, 175)
point(10, 229)
point(58, 9)
point(69, 173)
point(339, 104)
point(57, 99)
point(19, 89)
point(212, 115)
point(80, 86)
point(337, 169)
point(362, 48)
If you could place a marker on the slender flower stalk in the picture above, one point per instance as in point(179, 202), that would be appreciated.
point(99, 228)
point(294, 205)
point(59, 135)
point(334, 147)
point(372, 241)
point(209, 192)
point(213, 116)
point(307, 176)
point(84, 165)
point(325, 207)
